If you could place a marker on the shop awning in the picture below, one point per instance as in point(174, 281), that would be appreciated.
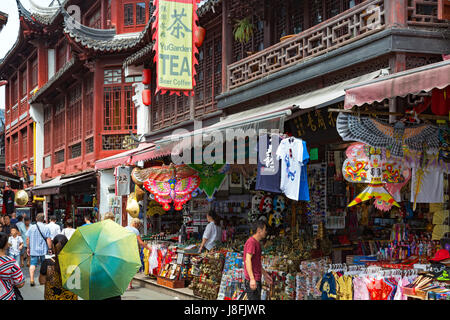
point(54, 186)
point(414, 81)
point(13, 180)
point(121, 158)
point(335, 93)
point(267, 117)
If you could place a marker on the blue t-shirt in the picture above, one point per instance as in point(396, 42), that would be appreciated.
point(304, 188)
point(269, 168)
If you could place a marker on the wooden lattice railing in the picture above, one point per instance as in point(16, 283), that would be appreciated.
point(424, 13)
point(356, 23)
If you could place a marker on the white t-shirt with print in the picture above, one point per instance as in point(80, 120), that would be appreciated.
point(290, 151)
point(14, 244)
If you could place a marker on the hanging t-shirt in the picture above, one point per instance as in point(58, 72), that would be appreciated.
point(269, 173)
point(431, 188)
point(304, 187)
point(8, 201)
point(290, 151)
point(123, 180)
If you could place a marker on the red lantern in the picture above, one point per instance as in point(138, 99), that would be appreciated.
point(146, 97)
point(146, 76)
point(199, 36)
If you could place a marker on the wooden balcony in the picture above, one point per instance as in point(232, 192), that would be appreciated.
point(361, 21)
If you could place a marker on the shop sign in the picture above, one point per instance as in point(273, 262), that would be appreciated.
point(191, 229)
point(314, 125)
point(175, 26)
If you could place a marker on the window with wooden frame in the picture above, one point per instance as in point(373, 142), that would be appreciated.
point(23, 76)
point(14, 91)
point(118, 108)
point(59, 132)
point(74, 114)
point(34, 73)
point(30, 144)
point(95, 19)
point(128, 14)
point(140, 13)
point(15, 148)
point(61, 55)
point(24, 134)
point(89, 106)
point(47, 129)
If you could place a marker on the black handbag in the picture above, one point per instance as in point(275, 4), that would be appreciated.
point(18, 293)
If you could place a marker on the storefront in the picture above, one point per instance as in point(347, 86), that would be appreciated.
point(70, 198)
point(356, 226)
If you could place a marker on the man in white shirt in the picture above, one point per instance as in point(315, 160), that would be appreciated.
point(54, 228)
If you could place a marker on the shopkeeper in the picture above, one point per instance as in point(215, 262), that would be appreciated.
point(212, 232)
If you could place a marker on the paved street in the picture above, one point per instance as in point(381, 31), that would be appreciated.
point(137, 293)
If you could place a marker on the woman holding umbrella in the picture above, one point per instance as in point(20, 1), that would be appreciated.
point(50, 274)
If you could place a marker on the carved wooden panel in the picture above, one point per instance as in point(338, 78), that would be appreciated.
point(356, 23)
point(425, 13)
point(415, 61)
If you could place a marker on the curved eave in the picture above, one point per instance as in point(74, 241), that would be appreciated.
point(207, 7)
point(139, 56)
point(103, 40)
point(12, 51)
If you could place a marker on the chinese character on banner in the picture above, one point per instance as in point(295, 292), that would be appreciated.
point(175, 26)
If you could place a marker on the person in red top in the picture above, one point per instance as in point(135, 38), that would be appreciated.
point(253, 269)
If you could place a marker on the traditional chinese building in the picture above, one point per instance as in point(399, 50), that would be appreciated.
point(68, 102)
point(65, 71)
point(296, 48)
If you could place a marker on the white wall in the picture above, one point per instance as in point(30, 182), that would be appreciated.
point(106, 179)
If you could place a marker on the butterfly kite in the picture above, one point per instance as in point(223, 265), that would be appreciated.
point(365, 164)
point(174, 183)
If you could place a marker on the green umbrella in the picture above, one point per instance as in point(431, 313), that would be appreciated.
point(99, 260)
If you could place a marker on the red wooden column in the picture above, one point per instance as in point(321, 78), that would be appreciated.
point(227, 48)
point(396, 12)
point(83, 122)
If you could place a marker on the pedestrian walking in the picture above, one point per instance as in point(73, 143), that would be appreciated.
point(38, 244)
point(15, 244)
point(134, 227)
point(253, 269)
point(11, 276)
point(212, 232)
point(68, 230)
point(110, 216)
point(87, 219)
point(23, 225)
point(50, 273)
point(7, 225)
point(54, 228)
point(14, 219)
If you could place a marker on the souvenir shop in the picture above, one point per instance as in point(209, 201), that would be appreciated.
point(360, 202)
point(69, 198)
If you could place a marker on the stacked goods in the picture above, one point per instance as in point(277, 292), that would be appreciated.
point(232, 284)
point(206, 284)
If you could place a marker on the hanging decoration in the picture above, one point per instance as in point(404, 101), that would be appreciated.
point(212, 177)
point(146, 80)
point(132, 205)
point(365, 164)
point(174, 183)
point(394, 138)
point(175, 33)
point(154, 208)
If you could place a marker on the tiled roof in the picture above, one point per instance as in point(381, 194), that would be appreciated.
point(40, 15)
point(53, 79)
point(102, 39)
point(138, 55)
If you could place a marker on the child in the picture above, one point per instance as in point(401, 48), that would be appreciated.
point(15, 244)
